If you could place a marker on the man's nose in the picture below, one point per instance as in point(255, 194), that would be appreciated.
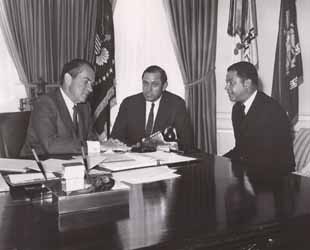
point(226, 86)
point(89, 87)
point(148, 88)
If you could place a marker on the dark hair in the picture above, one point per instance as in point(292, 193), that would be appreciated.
point(245, 70)
point(156, 69)
point(74, 68)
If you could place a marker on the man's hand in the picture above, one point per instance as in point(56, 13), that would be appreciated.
point(114, 145)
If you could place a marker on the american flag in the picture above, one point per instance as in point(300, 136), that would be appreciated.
point(103, 96)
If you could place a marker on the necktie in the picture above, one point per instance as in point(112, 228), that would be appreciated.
point(75, 120)
point(240, 115)
point(150, 120)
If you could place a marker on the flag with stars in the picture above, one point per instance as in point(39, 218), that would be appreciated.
point(103, 96)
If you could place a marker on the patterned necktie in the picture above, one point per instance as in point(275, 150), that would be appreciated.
point(150, 120)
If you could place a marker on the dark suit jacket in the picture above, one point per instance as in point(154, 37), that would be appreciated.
point(50, 129)
point(129, 126)
point(265, 138)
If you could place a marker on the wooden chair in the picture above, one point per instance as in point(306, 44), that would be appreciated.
point(13, 128)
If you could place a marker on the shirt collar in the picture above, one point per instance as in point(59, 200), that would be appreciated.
point(249, 102)
point(67, 100)
point(155, 102)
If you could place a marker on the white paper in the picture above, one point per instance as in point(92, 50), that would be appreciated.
point(56, 165)
point(16, 165)
point(29, 177)
point(146, 175)
point(93, 146)
point(141, 160)
point(167, 157)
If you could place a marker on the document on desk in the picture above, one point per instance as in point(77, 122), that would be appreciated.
point(19, 179)
point(145, 175)
point(16, 165)
point(53, 165)
point(142, 160)
point(168, 157)
point(107, 158)
point(134, 160)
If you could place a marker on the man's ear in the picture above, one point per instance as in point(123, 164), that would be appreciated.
point(67, 79)
point(248, 83)
point(165, 86)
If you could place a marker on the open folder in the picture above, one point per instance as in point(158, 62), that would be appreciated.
point(142, 160)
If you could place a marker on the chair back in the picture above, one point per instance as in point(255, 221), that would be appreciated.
point(13, 129)
point(302, 148)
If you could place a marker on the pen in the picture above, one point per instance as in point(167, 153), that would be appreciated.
point(84, 158)
point(39, 163)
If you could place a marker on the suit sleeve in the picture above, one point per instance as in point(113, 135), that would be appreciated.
point(91, 133)
point(50, 130)
point(183, 127)
point(120, 127)
point(274, 142)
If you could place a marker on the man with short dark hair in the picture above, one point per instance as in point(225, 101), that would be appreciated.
point(261, 127)
point(155, 109)
point(61, 120)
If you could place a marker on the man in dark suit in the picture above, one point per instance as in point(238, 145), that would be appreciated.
point(61, 120)
point(155, 109)
point(261, 127)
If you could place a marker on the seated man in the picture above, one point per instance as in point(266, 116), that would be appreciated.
point(261, 127)
point(61, 120)
point(155, 109)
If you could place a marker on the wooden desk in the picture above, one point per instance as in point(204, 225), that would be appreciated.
point(213, 205)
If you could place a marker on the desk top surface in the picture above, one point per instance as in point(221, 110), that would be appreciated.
point(211, 197)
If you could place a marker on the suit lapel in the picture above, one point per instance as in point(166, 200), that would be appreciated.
point(162, 113)
point(252, 116)
point(64, 112)
point(139, 115)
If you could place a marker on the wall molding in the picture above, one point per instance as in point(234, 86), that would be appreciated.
point(224, 124)
point(225, 134)
point(303, 121)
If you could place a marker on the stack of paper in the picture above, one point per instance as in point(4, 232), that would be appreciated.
point(145, 175)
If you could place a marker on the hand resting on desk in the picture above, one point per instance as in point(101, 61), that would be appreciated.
point(113, 145)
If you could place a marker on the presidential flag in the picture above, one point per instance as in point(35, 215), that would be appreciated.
point(288, 72)
point(103, 95)
point(243, 25)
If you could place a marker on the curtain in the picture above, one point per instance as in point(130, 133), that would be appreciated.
point(194, 25)
point(48, 33)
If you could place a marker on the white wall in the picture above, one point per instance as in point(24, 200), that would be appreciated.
point(267, 18)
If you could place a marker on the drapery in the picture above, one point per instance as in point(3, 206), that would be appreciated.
point(194, 26)
point(49, 33)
